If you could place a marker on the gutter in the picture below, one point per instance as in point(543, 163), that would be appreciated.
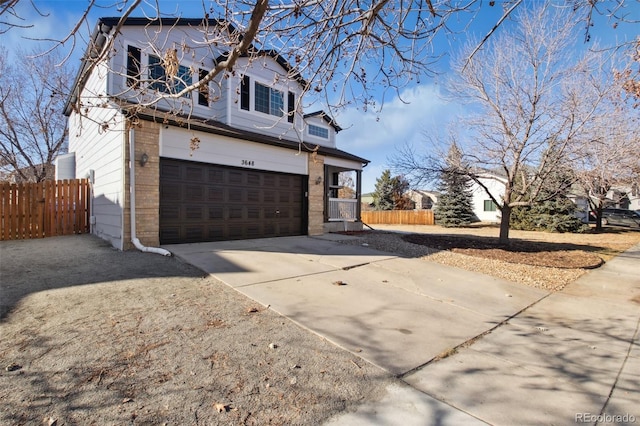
point(132, 201)
point(94, 48)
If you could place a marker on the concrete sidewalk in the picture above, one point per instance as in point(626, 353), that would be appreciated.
point(557, 356)
point(573, 357)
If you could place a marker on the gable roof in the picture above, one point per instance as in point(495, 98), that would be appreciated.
point(291, 71)
point(325, 117)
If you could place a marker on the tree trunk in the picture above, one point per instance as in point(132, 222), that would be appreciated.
point(504, 225)
point(598, 213)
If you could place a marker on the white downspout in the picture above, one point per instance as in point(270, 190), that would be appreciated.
point(132, 201)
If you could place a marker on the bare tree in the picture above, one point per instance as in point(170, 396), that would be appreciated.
point(531, 115)
point(609, 166)
point(345, 49)
point(33, 91)
point(630, 77)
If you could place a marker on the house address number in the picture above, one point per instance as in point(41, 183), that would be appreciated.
point(247, 162)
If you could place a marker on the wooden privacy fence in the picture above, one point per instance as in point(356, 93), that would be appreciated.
point(44, 209)
point(398, 217)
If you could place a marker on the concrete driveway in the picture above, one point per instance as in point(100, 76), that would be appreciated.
point(482, 350)
point(394, 312)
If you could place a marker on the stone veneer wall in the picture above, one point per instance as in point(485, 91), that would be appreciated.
point(147, 140)
point(316, 195)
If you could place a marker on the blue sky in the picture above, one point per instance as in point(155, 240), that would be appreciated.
point(372, 135)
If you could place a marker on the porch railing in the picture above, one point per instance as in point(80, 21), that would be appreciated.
point(343, 209)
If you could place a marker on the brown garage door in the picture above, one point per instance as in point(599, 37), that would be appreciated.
point(206, 202)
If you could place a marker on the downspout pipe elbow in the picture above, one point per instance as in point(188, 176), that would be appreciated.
point(157, 250)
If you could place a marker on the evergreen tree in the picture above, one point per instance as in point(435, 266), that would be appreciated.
point(454, 207)
point(390, 191)
point(384, 191)
point(554, 213)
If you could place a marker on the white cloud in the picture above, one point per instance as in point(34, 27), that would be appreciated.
point(376, 136)
point(401, 120)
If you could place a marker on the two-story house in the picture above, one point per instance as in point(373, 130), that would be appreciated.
point(237, 159)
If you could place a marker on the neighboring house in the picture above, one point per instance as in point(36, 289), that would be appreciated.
point(367, 198)
point(422, 199)
point(26, 174)
point(483, 207)
point(238, 161)
point(620, 198)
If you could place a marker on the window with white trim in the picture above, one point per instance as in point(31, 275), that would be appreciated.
point(321, 132)
point(490, 206)
point(160, 82)
point(268, 100)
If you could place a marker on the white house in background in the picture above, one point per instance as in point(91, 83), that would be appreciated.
point(483, 207)
point(237, 160)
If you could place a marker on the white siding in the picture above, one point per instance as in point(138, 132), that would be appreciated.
point(480, 195)
point(175, 143)
point(102, 151)
point(339, 162)
point(219, 106)
point(315, 140)
point(65, 166)
point(197, 57)
point(268, 72)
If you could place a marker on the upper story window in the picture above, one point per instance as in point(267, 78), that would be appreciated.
point(269, 100)
point(155, 76)
point(203, 93)
point(133, 66)
point(266, 99)
point(321, 132)
point(160, 81)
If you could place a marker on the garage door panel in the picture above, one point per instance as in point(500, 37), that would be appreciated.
point(216, 176)
point(235, 196)
point(170, 233)
point(171, 212)
point(253, 179)
point(205, 202)
point(171, 192)
point(170, 171)
point(216, 213)
point(194, 193)
point(215, 194)
point(253, 196)
point(194, 174)
point(194, 213)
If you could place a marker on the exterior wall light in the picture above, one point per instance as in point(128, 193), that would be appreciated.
point(318, 180)
point(144, 159)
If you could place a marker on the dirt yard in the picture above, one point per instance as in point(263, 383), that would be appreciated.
point(91, 335)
